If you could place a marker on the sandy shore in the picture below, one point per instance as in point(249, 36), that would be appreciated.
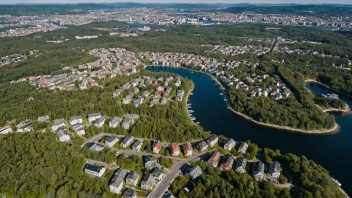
point(333, 130)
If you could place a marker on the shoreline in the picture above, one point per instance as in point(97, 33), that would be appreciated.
point(347, 108)
point(333, 130)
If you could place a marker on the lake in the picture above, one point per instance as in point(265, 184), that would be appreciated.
point(332, 151)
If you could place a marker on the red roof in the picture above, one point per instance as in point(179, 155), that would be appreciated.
point(174, 147)
point(187, 147)
point(215, 156)
point(157, 145)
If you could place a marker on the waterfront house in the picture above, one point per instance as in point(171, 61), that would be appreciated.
point(227, 162)
point(243, 148)
point(241, 164)
point(63, 135)
point(94, 170)
point(258, 170)
point(136, 146)
point(43, 118)
point(212, 140)
point(229, 144)
point(116, 182)
point(5, 130)
point(214, 159)
point(114, 122)
point(175, 149)
point(156, 146)
point(202, 146)
point(194, 172)
point(275, 169)
point(129, 193)
point(149, 162)
point(127, 141)
point(57, 124)
point(93, 117)
point(158, 173)
point(110, 140)
point(100, 122)
point(75, 120)
point(132, 178)
point(187, 149)
point(147, 182)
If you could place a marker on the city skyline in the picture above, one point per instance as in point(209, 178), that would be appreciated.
point(180, 1)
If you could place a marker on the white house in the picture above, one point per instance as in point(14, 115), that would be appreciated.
point(114, 122)
point(63, 135)
point(275, 169)
point(76, 120)
point(57, 124)
point(94, 116)
point(243, 148)
point(94, 170)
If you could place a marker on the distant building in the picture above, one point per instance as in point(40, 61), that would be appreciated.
point(94, 170)
point(43, 118)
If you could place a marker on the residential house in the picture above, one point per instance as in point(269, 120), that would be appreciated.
point(194, 172)
point(57, 124)
point(127, 141)
point(129, 193)
point(214, 158)
point(114, 122)
point(117, 92)
point(243, 148)
point(127, 122)
point(258, 170)
point(229, 144)
point(110, 140)
point(94, 146)
point(63, 135)
point(138, 102)
point(175, 149)
point(75, 120)
point(149, 162)
point(5, 130)
point(187, 149)
point(275, 169)
point(136, 146)
point(43, 118)
point(227, 162)
point(79, 129)
point(132, 178)
point(100, 122)
point(202, 146)
point(241, 164)
point(156, 146)
point(24, 126)
point(93, 117)
point(212, 140)
point(116, 182)
point(147, 182)
point(158, 173)
point(94, 170)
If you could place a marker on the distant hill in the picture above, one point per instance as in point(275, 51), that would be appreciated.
point(308, 10)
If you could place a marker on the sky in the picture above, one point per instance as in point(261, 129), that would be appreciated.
point(182, 1)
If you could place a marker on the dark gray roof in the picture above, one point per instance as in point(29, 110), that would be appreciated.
point(195, 170)
point(148, 179)
point(133, 175)
point(258, 167)
point(93, 168)
point(119, 176)
point(127, 139)
point(230, 141)
point(129, 192)
point(275, 167)
point(242, 161)
point(211, 138)
point(157, 171)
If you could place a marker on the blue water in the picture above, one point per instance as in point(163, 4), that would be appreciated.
point(332, 151)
